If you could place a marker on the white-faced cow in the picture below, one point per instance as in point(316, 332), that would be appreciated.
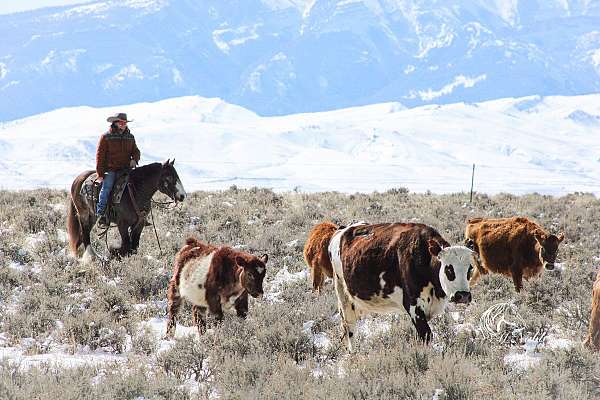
point(515, 247)
point(217, 278)
point(383, 268)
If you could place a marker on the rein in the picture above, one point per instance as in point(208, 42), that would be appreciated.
point(165, 205)
point(155, 233)
point(140, 214)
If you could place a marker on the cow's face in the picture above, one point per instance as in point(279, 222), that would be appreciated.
point(253, 274)
point(547, 248)
point(455, 270)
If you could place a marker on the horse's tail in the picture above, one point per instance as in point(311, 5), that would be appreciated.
point(73, 227)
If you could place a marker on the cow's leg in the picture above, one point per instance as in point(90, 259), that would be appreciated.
point(214, 305)
point(241, 305)
point(479, 269)
point(475, 277)
point(517, 276)
point(347, 312)
point(198, 318)
point(174, 303)
point(417, 316)
point(317, 277)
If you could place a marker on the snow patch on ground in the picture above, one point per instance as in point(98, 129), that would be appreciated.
point(319, 339)
point(58, 358)
point(283, 277)
point(34, 240)
point(529, 354)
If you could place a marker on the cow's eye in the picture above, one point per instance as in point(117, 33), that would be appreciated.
point(449, 270)
point(469, 272)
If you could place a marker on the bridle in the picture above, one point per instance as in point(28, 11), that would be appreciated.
point(166, 205)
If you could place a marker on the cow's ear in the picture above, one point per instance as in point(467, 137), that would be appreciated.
point(470, 244)
point(434, 247)
point(241, 262)
point(264, 258)
point(560, 237)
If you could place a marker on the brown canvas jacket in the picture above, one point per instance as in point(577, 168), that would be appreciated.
point(115, 150)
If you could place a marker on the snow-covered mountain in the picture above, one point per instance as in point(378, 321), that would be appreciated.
point(544, 144)
point(278, 57)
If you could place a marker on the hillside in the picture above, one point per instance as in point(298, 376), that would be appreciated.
point(279, 57)
point(549, 145)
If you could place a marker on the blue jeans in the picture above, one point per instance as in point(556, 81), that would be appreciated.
point(107, 184)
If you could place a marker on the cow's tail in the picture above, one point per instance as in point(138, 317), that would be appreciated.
point(191, 249)
point(74, 228)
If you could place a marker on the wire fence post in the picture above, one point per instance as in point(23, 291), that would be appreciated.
point(472, 180)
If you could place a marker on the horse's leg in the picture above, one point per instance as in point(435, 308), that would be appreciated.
point(125, 248)
point(86, 225)
point(135, 237)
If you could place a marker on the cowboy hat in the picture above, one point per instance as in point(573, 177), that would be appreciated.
point(118, 117)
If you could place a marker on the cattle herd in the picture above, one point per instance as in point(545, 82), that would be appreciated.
point(375, 268)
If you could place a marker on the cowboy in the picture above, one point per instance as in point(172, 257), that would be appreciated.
point(116, 151)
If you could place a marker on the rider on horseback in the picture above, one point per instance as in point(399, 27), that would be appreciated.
point(116, 151)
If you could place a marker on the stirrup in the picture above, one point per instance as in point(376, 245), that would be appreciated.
point(103, 221)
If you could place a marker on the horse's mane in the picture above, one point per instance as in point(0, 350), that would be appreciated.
point(142, 173)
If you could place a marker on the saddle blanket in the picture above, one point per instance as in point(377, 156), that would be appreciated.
point(91, 188)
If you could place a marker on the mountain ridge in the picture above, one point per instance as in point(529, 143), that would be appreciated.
point(278, 57)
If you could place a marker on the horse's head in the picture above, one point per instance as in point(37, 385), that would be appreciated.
point(169, 182)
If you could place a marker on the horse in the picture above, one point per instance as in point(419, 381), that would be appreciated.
point(129, 214)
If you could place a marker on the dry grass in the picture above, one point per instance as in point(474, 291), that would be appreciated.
point(272, 355)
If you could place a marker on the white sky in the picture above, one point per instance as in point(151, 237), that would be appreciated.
point(11, 6)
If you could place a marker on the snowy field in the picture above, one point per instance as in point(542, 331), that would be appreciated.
point(102, 326)
point(549, 145)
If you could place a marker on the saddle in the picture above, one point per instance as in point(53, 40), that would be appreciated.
point(91, 189)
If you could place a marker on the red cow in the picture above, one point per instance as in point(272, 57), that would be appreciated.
point(515, 247)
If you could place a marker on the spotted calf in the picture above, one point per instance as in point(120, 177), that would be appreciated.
point(383, 268)
point(213, 278)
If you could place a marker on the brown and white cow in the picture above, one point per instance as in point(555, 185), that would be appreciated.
point(316, 253)
point(515, 247)
point(383, 268)
point(593, 338)
point(213, 278)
